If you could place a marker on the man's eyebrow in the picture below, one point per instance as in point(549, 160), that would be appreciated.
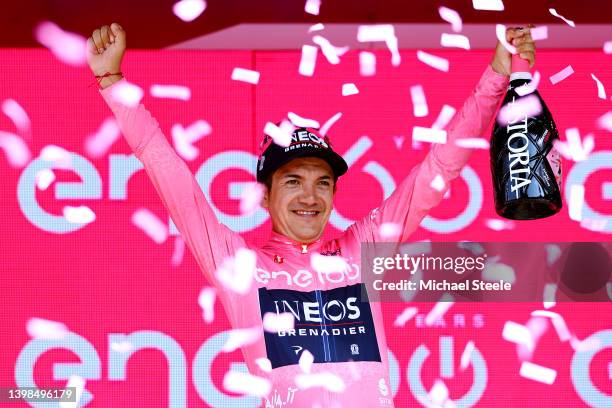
point(292, 175)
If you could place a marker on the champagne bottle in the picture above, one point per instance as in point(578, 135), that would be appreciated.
point(525, 165)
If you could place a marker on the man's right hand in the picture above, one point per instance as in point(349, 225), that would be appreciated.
point(105, 49)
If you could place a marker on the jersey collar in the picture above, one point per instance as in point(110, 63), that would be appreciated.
point(281, 241)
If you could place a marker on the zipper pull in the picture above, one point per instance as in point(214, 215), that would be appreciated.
point(304, 248)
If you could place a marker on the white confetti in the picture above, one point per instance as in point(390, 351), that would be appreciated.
point(536, 326)
point(367, 63)
point(241, 337)
point(605, 121)
point(280, 135)
point(399, 141)
point(151, 225)
point(264, 364)
point(500, 32)
point(312, 7)
point(466, 356)
point(539, 33)
point(282, 322)
point(554, 13)
point(575, 148)
point(429, 135)
point(46, 329)
point(180, 92)
point(79, 215)
point(121, 346)
point(250, 198)
point(444, 117)
point(302, 122)
point(389, 231)
point(60, 157)
point(538, 373)
point(498, 271)
point(189, 10)
point(553, 253)
point(576, 202)
point(472, 143)
point(437, 312)
point(596, 225)
point(561, 75)
point(244, 383)
point(455, 40)
point(550, 293)
point(245, 75)
point(44, 178)
point(519, 334)
point(433, 61)
point(491, 5)
point(236, 273)
point(327, 380)
point(179, 251)
point(316, 27)
point(97, 144)
point(607, 48)
point(308, 60)
point(499, 225)
point(381, 32)
point(558, 323)
point(78, 383)
point(405, 316)
point(438, 393)
point(419, 103)
point(349, 89)
point(206, 300)
point(184, 138)
point(473, 247)
point(17, 114)
point(601, 91)
point(529, 87)
point(70, 48)
point(452, 17)
point(330, 122)
point(437, 183)
point(590, 344)
point(306, 360)
point(529, 106)
point(127, 93)
point(16, 150)
point(326, 265)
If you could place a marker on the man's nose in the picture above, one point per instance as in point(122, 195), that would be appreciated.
point(309, 195)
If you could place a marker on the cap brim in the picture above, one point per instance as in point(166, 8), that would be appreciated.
point(335, 161)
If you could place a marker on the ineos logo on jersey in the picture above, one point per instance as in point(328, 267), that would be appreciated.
point(333, 310)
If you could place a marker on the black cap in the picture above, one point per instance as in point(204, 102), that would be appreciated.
point(304, 143)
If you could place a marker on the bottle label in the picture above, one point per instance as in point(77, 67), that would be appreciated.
point(554, 160)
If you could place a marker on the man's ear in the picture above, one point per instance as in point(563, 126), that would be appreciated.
point(265, 199)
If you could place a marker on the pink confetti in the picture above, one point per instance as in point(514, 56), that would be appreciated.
point(512, 112)
point(437, 183)
point(327, 265)
point(550, 293)
point(236, 273)
point(607, 48)
point(539, 33)
point(121, 346)
point(419, 103)
point(433, 61)
point(437, 312)
point(244, 383)
point(245, 75)
point(491, 5)
point(250, 198)
point(367, 63)
point(330, 52)
point(151, 225)
point(127, 93)
point(389, 231)
point(466, 356)
point(575, 148)
point(536, 326)
point(60, 157)
point(472, 143)
point(444, 117)
point(554, 13)
point(558, 323)
point(179, 251)
point(281, 322)
point(306, 360)
point(97, 144)
point(46, 329)
point(519, 334)
point(399, 141)
point(264, 364)
point(16, 150)
point(330, 122)
point(312, 7)
point(405, 316)
point(381, 32)
point(78, 383)
point(529, 87)
point(184, 138)
point(605, 121)
point(70, 48)
point(499, 225)
point(17, 114)
point(171, 91)
point(79, 215)
point(455, 40)
point(538, 373)
point(423, 134)
point(327, 380)
point(44, 178)
point(601, 91)
point(576, 202)
point(452, 17)
point(500, 32)
point(561, 75)
point(349, 89)
point(308, 60)
point(241, 337)
point(189, 10)
point(316, 27)
point(302, 122)
point(280, 135)
point(206, 300)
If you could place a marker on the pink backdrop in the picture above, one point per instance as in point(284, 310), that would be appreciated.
point(110, 278)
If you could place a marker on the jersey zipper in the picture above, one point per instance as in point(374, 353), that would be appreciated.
point(324, 338)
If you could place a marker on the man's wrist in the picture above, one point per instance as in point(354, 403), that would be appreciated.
point(108, 78)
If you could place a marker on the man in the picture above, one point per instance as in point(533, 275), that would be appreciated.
point(340, 328)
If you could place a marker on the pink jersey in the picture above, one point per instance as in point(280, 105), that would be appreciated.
point(343, 331)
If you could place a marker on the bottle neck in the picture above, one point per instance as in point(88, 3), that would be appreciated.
point(521, 75)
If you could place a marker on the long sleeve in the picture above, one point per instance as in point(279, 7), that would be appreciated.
point(414, 197)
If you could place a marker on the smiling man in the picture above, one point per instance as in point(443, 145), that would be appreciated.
point(333, 321)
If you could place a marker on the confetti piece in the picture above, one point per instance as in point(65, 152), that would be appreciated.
point(539, 33)
point(264, 364)
point(438, 393)
point(151, 225)
point(455, 40)
point(316, 27)
point(275, 323)
point(122, 346)
point(127, 93)
point(97, 144)
point(329, 51)
point(550, 292)
point(558, 323)
point(561, 75)
point(472, 143)
point(330, 122)
point(184, 138)
point(596, 225)
point(575, 148)
point(78, 383)
point(381, 32)
point(576, 202)
point(607, 48)
point(236, 273)
point(553, 253)
point(280, 136)
point(605, 122)
point(60, 157)
point(466, 356)
point(433, 61)
point(206, 300)
point(46, 329)
point(250, 198)
point(389, 231)
point(349, 89)
point(16, 150)
point(241, 337)
point(189, 10)
point(444, 117)
point(399, 141)
point(437, 183)
point(499, 225)
point(419, 103)
point(302, 122)
point(245, 75)
point(17, 114)
point(308, 60)
point(536, 326)
point(512, 112)
point(538, 373)
point(601, 92)
point(554, 13)
point(452, 17)
point(423, 134)
point(473, 247)
point(405, 316)
point(500, 32)
point(171, 91)
point(437, 312)
point(79, 215)
point(327, 380)
point(312, 7)
point(491, 5)
point(519, 334)
point(589, 344)
point(244, 383)
point(306, 360)
point(70, 48)
point(179, 251)
point(529, 87)
point(44, 178)
point(328, 264)
point(498, 271)
point(367, 63)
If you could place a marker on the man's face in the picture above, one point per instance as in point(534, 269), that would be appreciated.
point(301, 198)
